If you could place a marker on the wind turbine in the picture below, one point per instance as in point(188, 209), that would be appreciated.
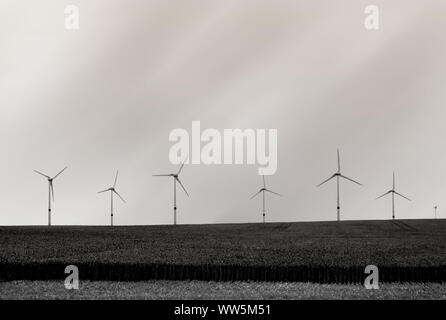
point(435, 209)
point(338, 175)
point(175, 180)
point(50, 190)
point(393, 192)
point(263, 190)
point(113, 191)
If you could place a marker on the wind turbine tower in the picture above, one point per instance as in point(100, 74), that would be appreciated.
point(176, 179)
point(113, 191)
point(50, 190)
point(393, 193)
point(262, 191)
point(338, 175)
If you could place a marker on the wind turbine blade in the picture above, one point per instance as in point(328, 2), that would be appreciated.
point(264, 183)
point(278, 194)
point(393, 181)
point(326, 180)
point(42, 174)
point(182, 186)
point(161, 175)
point(104, 191)
point(339, 162)
point(402, 196)
point(119, 196)
point(255, 194)
point(60, 172)
point(182, 165)
point(351, 180)
point(116, 179)
point(181, 168)
point(52, 189)
point(385, 194)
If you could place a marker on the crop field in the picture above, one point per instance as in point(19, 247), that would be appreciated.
point(196, 290)
point(319, 252)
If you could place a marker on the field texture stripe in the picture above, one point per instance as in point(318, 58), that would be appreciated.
point(143, 272)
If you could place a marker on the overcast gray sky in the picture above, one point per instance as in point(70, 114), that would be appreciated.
point(106, 97)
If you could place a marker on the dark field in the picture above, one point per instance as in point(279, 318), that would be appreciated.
point(324, 252)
